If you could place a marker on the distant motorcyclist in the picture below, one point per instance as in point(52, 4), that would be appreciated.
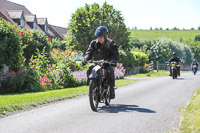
point(194, 63)
point(103, 48)
point(177, 60)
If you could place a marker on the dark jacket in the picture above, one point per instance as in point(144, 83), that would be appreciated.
point(176, 59)
point(107, 51)
point(194, 63)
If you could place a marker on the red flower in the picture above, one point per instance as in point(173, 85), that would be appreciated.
point(74, 51)
point(63, 52)
point(79, 51)
point(21, 32)
point(34, 66)
point(70, 53)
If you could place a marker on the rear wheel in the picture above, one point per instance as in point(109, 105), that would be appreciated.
point(107, 97)
point(93, 97)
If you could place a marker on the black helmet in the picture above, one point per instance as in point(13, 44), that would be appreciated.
point(100, 31)
point(174, 53)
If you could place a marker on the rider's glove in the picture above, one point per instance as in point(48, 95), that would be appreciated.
point(114, 63)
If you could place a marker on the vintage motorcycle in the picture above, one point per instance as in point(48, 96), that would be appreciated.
point(174, 71)
point(99, 89)
point(194, 69)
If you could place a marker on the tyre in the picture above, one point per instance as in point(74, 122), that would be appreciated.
point(93, 95)
point(107, 97)
point(173, 74)
point(176, 74)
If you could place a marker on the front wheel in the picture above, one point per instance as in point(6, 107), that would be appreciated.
point(93, 95)
point(174, 74)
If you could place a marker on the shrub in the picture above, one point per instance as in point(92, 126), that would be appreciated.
point(163, 48)
point(57, 44)
point(33, 40)
point(127, 58)
point(10, 46)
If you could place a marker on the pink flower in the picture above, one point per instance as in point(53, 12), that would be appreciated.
point(74, 51)
point(120, 65)
point(79, 51)
point(24, 59)
point(124, 70)
point(34, 66)
point(35, 61)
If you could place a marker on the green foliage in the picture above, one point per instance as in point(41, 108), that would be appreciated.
point(197, 38)
point(127, 58)
point(141, 58)
point(57, 44)
point(195, 47)
point(10, 45)
point(85, 21)
point(162, 51)
point(33, 40)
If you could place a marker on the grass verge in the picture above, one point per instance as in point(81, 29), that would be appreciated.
point(154, 74)
point(191, 115)
point(13, 102)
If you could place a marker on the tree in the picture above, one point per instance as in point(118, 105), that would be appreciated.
point(174, 28)
point(135, 28)
point(160, 28)
point(151, 28)
point(192, 29)
point(167, 28)
point(85, 21)
point(197, 38)
point(163, 48)
point(199, 28)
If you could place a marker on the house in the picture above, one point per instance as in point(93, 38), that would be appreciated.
point(20, 15)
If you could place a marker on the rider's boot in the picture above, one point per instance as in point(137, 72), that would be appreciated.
point(112, 93)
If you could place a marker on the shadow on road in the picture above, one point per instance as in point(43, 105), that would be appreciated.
point(116, 108)
point(185, 79)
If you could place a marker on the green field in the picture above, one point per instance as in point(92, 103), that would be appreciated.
point(143, 35)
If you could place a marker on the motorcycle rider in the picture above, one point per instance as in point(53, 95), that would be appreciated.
point(194, 63)
point(177, 60)
point(103, 48)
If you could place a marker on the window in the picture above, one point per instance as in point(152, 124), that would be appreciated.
point(22, 23)
point(34, 25)
point(45, 28)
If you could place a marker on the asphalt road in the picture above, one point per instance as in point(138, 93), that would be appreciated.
point(148, 106)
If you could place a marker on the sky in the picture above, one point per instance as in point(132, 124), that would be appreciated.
point(140, 13)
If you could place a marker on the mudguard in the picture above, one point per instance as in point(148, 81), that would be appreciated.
point(93, 75)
